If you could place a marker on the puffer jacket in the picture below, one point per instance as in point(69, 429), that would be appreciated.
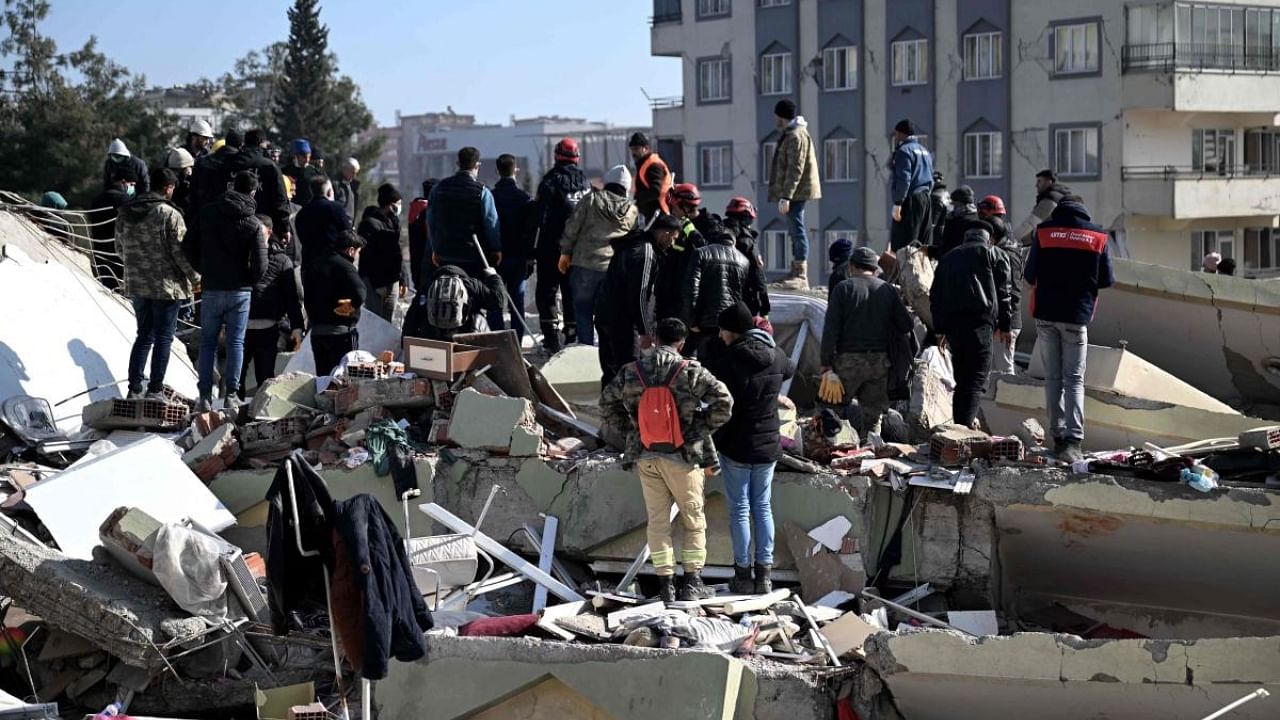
point(756, 292)
point(230, 250)
point(971, 288)
point(753, 368)
point(794, 173)
point(717, 277)
point(149, 233)
point(600, 218)
point(703, 402)
point(276, 295)
point(1016, 256)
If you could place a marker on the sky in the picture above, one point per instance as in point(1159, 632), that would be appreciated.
point(489, 58)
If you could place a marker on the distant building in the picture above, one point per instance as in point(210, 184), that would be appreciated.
point(387, 166)
point(187, 104)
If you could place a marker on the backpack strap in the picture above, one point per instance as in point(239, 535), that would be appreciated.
point(644, 382)
point(671, 379)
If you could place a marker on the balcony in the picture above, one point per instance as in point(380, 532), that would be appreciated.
point(1197, 57)
point(668, 116)
point(1188, 194)
point(1198, 77)
point(664, 29)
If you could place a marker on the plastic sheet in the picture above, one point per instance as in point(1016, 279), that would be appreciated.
point(186, 564)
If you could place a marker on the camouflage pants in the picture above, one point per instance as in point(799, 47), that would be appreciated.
point(865, 377)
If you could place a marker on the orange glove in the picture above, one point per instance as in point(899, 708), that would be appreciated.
point(563, 265)
point(344, 309)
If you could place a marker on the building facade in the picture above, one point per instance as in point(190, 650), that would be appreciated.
point(1161, 114)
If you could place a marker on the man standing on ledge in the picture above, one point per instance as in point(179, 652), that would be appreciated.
point(793, 181)
point(912, 185)
point(653, 179)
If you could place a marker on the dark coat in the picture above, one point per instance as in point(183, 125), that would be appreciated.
point(381, 261)
point(483, 297)
point(558, 194)
point(230, 248)
point(271, 196)
point(319, 223)
point(291, 578)
point(753, 368)
point(971, 288)
point(1068, 263)
point(756, 292)
point(961, 220)
point(302, 177)
point(276, 295)
point(327, 281)
point(395, 616)
point(717, 276)
point(139, 165)
point(516, 220)
point(626, 295)
point(214, 174)
point(419, 239)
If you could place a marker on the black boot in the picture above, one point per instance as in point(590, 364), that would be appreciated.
point(741, 582)
point(667, 588)
point(693, 589)
point(551, 339)
point(764, 585)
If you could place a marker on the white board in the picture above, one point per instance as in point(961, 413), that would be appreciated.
point(147, 475)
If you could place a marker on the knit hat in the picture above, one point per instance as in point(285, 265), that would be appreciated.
point(962, 195)
point(736, 318)
point(866, 258)
point(665, 222)
point(567, 150)
point(301, 146)
point(840, 251)
point(234, 139)
point(785, 109)
point(117, 147)
point(53, 200)
point(906, 127)
point(618, 175)
point(387, 194)
point(178, 159)
point(638, 139)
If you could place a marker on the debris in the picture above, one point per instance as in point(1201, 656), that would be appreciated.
point(1031, 433)
point(396, 392)
point(835, 599)
point(618, 618)
point(286, 395)
point(820, 573)
point(831, 533)
point(215, 453)
point(755, 604)
point(1265, 439)
point(275, 703)
point(508, 369)
point(489, 423)
point(125, 414)
point(575, 373)
point(546, 554)
point(974, 622)
point(553, 613)
point(314, 711)
point(954, 445)
point(915, 594)
point(847, 634)
point(127, 534)
point(912, 613)
point(440, 360)
point(274, 437)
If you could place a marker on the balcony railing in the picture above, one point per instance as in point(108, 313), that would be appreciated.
point(664, 103)
point(1169, 56)
point(1172, 172)
point(665, 11)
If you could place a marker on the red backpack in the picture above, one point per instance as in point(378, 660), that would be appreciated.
point(659, 416)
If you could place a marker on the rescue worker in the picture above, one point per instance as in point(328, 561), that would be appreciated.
point(558, 194)
point(652, 179)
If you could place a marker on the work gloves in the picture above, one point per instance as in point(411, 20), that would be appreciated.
point(830, 389)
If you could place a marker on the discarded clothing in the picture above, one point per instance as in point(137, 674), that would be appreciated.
point(294, 579)
point(510, 626)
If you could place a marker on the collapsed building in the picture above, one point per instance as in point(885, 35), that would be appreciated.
point(935, 572)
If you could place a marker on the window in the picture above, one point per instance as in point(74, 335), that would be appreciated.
point(983, 155)
point(775, 73)
point(982, 56)
point(1075, 151)
point(1261, 249)
point(715, 166)
point(911, 62)
point(1075, 49)
point(831, 237)
point(840, 68)
point(1261, 152)
point(774, 250)
point(1204, 242)
point(766, 155)
point(1213, 151)
point(840, 158)
point(774, 3)
point(713, 80)
point(713, 8)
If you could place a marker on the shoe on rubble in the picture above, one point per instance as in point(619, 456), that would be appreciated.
point(693, 589)
point(1071, 452)
point(667, 588)
point(741, 583)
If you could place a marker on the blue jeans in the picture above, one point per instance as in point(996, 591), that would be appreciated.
point(515, 276)
point(1063, 349)
point(219, 309)
point(748, 488)
point(585, 285)
point(799, 233)
point(157, 321)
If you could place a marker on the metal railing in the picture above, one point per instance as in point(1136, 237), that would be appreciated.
point(662, 103)
point(1173, 172)
point(665, 11)
point(1171, 56)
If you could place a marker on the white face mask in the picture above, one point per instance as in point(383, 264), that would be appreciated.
point(396, 207)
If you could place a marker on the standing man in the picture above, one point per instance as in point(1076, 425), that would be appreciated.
point(272, 198)
point(864, 313)
point(461, 212)
point(232, 251)
point(674, 262)
point(991, 210)
point(105, 208)
point(419, 242)
point(716, 280)
point(274, 298)
point(516, 223)
point(381, 259)
point(158, 278)
point(739, 215)
point(670, 445)
point(346, 192)
point(749, 363)
point(912, 186)
point(180, 162)
point(1049, 192)
point(215, 172)
point(334, 295)
point(199, 138)
point(320, 222)
point(1068, 264)
point(118, 156)
point(605, 215)
point(971, 304)
point(302, 171)
point(624, 314)
point(962, 218)
point(558, 194)
point(652, 180)
point(793, 182)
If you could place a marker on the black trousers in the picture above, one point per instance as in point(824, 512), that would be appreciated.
point(916, 224)
point(553, 296)
point(617, 347)
point(260, 346)
point(329, 349)
point(971, 361)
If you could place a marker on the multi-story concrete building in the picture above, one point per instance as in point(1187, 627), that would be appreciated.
point(1160, 114)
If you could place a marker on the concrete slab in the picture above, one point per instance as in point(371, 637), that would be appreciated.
point(575, 372)
point(487, 422)
point(1119, 370)
point(285, 395)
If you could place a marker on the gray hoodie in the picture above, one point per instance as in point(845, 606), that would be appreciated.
point(597, 220)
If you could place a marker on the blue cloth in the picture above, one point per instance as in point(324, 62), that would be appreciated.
point(157, 321)
point(585, 287)
point(219, 309)
point(301, 147)
point(748, 488)
point(1068, 263)
point(1063, 349)
point(912, 169)
point(799, 233)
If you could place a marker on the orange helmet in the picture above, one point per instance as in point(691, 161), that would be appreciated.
point(684, 194)
point(992, 204)
point(741, 206)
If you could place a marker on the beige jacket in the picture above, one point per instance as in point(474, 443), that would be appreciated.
point(794, 173)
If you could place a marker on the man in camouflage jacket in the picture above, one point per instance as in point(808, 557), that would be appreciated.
point(157, 276)
point(676, 477)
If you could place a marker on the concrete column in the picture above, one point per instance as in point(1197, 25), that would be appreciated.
point(876, 67)
point(948, 73)
point(808, 97)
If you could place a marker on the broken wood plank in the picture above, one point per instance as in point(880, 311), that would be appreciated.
point(545, 555)
point(818, 637)
point(553, 613)
point(761, 602)
point(712, 602)
point(499, 551)
point(615, 619)
point(601, 600)
point(714, 572)
point(848, 634)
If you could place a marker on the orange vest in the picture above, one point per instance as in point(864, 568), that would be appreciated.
point(666, 179)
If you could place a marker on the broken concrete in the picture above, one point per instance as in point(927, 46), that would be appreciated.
point(214, 454)
point(488, 422)
point(388, 393)
point(575, 372)
point(285, 395)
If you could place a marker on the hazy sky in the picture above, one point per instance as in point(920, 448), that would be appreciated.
point(490, 58)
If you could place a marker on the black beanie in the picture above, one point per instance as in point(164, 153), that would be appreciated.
point(906, 127)
point(736, 318)
point(234, 139)
point(785, 109)
point(387, 194)
point(638, 139)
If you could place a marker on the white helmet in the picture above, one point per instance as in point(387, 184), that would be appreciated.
point(118, 147)
point(202, 128)
point(179, 159)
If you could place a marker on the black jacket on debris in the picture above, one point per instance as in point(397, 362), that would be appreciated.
point(229, 249)
point(716, 279)
point(294, 580)
point(623, 307)
point(395, 616)
point(484, 296)
point(381, 261)
point(971, 288)
point(753, 368)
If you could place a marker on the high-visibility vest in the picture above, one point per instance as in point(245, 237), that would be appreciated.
point(666, 179)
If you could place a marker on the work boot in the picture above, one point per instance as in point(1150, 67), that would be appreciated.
point(1071, 452)
point(204, 404)
point(799, 277)
point(667, 588)
point(764, 585)
point(741, 582)
point(551, 339)
point(693, 589)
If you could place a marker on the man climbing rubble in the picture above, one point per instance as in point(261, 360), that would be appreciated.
point(657, 403)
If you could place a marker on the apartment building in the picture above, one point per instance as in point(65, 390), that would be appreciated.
point(1161, 115)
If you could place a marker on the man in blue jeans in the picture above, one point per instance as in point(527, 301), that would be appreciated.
point(1067, 265)
point(749, 363)
point(793, 181)
point(230, 250)
point(157, 277)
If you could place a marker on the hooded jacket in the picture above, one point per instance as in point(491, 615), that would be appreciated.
point(625, 303)
point(716, 277)
point(753, 369)
point(139, 167)
point(319, 224)
point(381, 261)
point(912, 169)
point(149, 233)
point(793, 174)
point(1068, 264)
point(971, 288)
point(484, 296)
point(600, 218)
point(960, 220)
point(214, 174)
point(755, 293)
point(276, 295)
point(230, 249)
point(558, 194)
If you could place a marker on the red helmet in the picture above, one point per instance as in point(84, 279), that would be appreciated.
point(741, 206)
point(684, 194)
point(992, 204)
point(567, 149)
